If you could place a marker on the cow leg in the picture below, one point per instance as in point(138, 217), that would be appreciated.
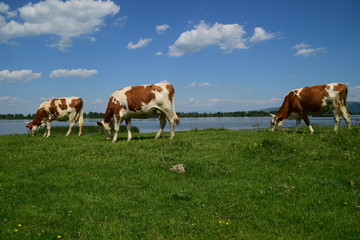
point(307, 121)
point(298, 121)
point(337, 119)
point(170, 118)
point(116, 129)
point(162, 119)
point(128, 127)
point(47, 130)
point(346, 116)
point(80, 120)
point(72, 123)
point(172, 128)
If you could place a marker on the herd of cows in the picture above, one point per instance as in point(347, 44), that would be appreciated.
point(158, 99)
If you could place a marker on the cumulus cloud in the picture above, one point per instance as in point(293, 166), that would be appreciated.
point(65, 19)
point(4, 7)
point(305, 50)
point(261, 35)
point(73, 73)
point(227, 37)
point(17, 76)
point(162, 28)
point(143, 42)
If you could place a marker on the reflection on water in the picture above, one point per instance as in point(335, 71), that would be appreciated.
point(152, 125)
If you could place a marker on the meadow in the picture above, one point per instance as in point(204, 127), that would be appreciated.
point(237, 185)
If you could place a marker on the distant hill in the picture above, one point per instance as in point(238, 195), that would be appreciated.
point(353, 107)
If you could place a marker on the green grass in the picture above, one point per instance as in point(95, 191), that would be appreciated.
point(238, 185)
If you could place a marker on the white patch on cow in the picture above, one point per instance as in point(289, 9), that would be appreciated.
point(333, 96)
point(298, 91)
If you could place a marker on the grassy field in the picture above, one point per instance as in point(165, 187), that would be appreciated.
point(237, 185)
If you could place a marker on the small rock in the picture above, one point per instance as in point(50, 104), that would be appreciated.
point(180, 168)
point(351, 183)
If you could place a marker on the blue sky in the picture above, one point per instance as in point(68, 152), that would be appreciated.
point(228, 55)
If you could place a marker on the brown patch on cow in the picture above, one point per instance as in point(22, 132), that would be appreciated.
point(112, 109)
point(343, 92)
point(62, 104)
point(311, 98)
point(77, 104)
point(53, 109)
point(39, 116)
point(171, 90)
point(137, 95)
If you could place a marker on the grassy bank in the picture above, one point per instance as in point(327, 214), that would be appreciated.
point(237, 185)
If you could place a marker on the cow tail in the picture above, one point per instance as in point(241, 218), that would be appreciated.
point(81, 119)
point(175, 116)
point(345, 96)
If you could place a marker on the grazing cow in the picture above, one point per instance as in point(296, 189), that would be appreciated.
point(60, 109)
point(316, 99)
point(140, 102)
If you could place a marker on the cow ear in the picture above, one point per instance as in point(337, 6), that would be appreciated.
point(99, 123)
point(28, 126)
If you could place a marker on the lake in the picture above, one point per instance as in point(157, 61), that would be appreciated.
point(151, 125)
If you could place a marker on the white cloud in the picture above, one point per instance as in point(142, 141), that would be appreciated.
point(309, 51)
point(143, 42)
point(73, 73)
point(261, 35)
point(301, 45)
point(304, 49)
point(159, 53)
point(207, 84)
point(226, 36)
point(162, 28)
point(17, 76)
point(200, 85)
point(65, 19)
point(4, 7)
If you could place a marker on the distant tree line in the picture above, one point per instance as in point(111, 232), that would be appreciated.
point(97, 115)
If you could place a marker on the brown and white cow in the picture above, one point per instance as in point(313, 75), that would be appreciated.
point(140, 102)
point(60, 109)
point(316, 99)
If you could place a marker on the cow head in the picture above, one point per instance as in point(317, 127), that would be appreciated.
point(34, 128)
point(275, 122)
point(107, 128)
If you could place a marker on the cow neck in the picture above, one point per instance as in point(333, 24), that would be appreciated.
point(38, 117)
point(108, 115)
point(284, 110)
